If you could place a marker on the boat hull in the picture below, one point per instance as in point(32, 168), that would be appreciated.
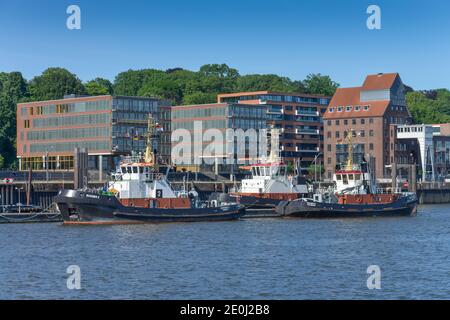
point(308, 209)
point(257, 206)
point(80, 207)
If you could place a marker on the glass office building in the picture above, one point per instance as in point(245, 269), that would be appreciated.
point(220, 116)
point(108, 126)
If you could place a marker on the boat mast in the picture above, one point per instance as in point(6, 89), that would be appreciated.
point(152, 126)
point(349, 140)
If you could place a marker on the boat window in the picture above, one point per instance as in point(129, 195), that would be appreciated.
point(258, 173)
point(141, 170)
point(344, 179)
point(350, 177)
point(282, 171)
point(338, 177)
point(135, 170)
point(129, 169)
point(357, 177)
point(124, 170)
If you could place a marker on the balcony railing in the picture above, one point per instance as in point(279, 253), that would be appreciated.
point(307, 131)
point(306, 113)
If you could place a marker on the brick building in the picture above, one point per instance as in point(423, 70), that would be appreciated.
point(371, 113)
point(299, 116)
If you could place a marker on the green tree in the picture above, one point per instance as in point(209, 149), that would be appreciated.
point(218, 70)
point(162, 89)
point(199, 98)
point(317, 169)
point(130, 82)
point(271, 82)
point(13, 89)
point(2, 162)
point(320, 84)
point(99, 86)
point(426, 110)
point(54, 83)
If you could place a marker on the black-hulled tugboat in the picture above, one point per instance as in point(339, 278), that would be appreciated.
point(269, 184)
point(139, 193)
point(354, 194)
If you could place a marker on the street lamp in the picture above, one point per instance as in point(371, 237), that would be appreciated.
point(18, 190)
point(315, 165)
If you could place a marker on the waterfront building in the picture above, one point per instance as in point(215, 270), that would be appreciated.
point(367, 113)
point(219, 116)
point(433, 153)
point(299, 116)
point(108, 126)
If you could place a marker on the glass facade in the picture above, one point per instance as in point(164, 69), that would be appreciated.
point(107, 125)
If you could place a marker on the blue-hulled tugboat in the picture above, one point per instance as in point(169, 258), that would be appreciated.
point(140, 194)
point(354, 194)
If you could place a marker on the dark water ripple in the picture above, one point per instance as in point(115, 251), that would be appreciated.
point(253, 259)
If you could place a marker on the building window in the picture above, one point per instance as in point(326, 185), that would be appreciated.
point(345, 122)
point(329, 134)
point(371, 120)
point(329, 160)
point(371, 133)
point(348, 109)
point(371, 146)
point(329, 122)
point(362, 133)
point(337, 122)
point(26, 124)
point(353, 121)
point(331, 110)
point(329, 147)
point(339, 109)
point(363, 121)
point(357, 108)
point(366, 108)
point(337, 134)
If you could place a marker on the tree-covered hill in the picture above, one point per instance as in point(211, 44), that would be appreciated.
point(429, 106)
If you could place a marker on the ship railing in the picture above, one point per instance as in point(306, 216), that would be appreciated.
point(131, 159)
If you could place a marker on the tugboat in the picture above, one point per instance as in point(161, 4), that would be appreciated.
point(270, 184)
point(139, 193)
point(354, 194)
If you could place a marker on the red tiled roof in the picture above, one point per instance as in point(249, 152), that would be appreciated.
point(379, 81)
point(344, 97)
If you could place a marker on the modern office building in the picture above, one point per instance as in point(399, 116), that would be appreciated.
point(299, 116)
point(217, 116)
point(108, 126)
point(368, 112)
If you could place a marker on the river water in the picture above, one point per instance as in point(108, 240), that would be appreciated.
point(247, 259)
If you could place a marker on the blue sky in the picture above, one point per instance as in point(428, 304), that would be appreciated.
point(286, 37)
